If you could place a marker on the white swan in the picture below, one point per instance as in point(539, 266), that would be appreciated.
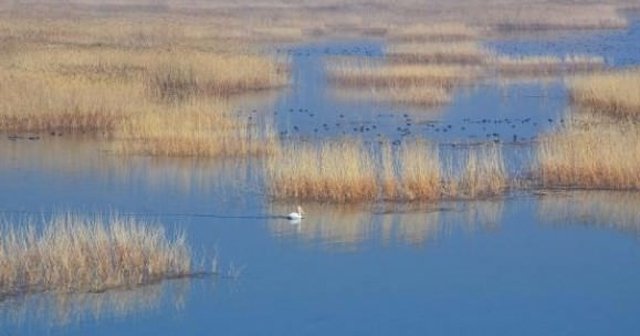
point(296, 215)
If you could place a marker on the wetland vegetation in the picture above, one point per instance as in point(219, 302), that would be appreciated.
point(71, 253)
point(377, 117)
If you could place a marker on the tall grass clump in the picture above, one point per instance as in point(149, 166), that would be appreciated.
point(72, 253)
point(348, 171)
point(388, 173)
point(41, 103)
point(444, 31)
point(465, 53)
point(483, 175)
point(593, 156)
point(410, 84)
point(421, 175)
point(179, 76)
point(334, 171)
point(399, 75)
point(615, 93)
point(197, 127)
point(546, 65)
point(98, 89)
point(556, 16)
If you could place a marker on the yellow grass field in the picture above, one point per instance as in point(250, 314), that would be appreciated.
point(88, 254)
point(399, 76)
point(348, 171)
point(464, 53)
point(152, 90)
point(546, 65)
point(614, 93)
point(591, 156)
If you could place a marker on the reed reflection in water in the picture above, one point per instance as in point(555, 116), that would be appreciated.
point(616, 210)
point(345, 227)
point(64, 309)
point(82, 157)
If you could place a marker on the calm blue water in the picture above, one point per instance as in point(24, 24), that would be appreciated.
point(310, 109)
point(554, 264)
point(522, 266)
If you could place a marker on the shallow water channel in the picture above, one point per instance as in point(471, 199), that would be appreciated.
point(529, 264)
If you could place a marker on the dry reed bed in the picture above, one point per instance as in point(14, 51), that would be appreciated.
point(198, 128)
point(169, 75)
point(591, 156)
point(82, 254)
point(368, 74)
point(439, 32)
point(348, 171)
point(464, 53)
point(155, 102)
point(546, 65)
point(202, 22)
point(614, 93)
point(411, 84)
point(152, 31)
point(554, 16)
point(40, 103)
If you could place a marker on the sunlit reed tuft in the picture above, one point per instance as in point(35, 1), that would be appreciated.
point(465, 53)
point(547, 65)
point(72, 253)
point(615, 93)
point(335, 171)
point(348, 171)
point(365, 74)
point(592, 156)
point(444, 31)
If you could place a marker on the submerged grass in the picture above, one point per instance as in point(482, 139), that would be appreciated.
point(348, 171)
point(82, 254)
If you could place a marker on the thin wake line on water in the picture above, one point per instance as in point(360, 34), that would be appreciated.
point(145, 214)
